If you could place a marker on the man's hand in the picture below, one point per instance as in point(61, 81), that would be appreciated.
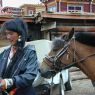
point(2, 84)
point(12, 92)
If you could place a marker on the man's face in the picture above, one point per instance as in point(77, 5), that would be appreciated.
point(12, 36)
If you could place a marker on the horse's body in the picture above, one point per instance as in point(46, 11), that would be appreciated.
point(88, 64)
point(78, 51)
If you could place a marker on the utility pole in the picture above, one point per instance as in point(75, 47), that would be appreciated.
point(58, 5)
point(0, 3)
point(45, 3)
point(90, 5)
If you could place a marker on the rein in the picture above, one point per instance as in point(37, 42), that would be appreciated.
point(48, 62)
point(66, 66)
point(53, 62)
point(80, 61)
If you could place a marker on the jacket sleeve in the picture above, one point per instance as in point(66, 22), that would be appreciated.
point(28, 72)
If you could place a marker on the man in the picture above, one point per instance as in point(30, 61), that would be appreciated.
point(18, 63)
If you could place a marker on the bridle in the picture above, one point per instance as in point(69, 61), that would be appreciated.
point(54, 62)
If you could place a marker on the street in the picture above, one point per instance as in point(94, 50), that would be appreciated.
point(81, 87)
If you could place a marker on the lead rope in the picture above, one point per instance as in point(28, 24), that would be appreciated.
point(61, 88)
point(74, 58)
point(51, 86)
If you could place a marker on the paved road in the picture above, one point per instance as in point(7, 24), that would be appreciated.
point(81, 87)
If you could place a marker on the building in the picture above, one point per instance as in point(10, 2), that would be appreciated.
point(50, 23)
point(0, 3)
point(11, 11)
point(31, 9)
point(55, 24)
point(70, 6)
point(24, 10)
point(63, 15)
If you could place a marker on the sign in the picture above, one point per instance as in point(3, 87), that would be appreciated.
point(48, 26)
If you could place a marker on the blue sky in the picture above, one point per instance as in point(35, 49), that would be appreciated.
point(17, 3)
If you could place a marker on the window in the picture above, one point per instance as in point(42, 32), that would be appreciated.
point(75, 8)
point(30, 12)
point(52, 9)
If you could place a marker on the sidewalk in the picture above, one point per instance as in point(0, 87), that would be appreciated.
point(81, 87)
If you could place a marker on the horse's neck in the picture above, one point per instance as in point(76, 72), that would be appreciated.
point(88, 65)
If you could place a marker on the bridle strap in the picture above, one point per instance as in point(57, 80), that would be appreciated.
point(48, 62)
point(83, 59)
point(61, 52)
point(52, 63)
point(80, 61)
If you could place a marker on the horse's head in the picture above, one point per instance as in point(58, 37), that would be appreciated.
point(65, 52)
point(53, 63)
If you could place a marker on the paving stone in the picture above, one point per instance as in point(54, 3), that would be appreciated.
point(81, 87)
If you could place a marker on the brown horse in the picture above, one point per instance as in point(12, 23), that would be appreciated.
point(73, 49)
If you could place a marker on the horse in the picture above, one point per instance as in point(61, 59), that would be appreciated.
point(42, 81)
point(72, 49)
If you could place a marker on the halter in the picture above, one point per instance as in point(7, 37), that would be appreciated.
point(54, 62)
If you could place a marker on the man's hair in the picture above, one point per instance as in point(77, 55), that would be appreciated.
point(17, 25)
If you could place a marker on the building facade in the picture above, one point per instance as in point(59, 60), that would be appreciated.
point(70, 6)
point(11, 11)
point(31, 9)
point(0, 3)
point(63, 15)
point(24, 10)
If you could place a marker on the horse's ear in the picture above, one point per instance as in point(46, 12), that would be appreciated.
point(70, 35)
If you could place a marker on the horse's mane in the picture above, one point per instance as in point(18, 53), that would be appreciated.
point(87, 38)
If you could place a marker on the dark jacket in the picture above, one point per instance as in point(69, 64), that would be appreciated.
point(23, 71)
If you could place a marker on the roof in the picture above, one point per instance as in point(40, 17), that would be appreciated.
point(8, 17)
point(33, 5)
point(10, 8)
point(90, 16)
point(71, 19)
